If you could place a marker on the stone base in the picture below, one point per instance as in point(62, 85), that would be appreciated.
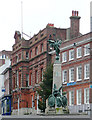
point(24, 111)
point(62, 110)
point(58, 111)
point(50, 111)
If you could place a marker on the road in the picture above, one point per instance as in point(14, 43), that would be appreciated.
point(39, 117)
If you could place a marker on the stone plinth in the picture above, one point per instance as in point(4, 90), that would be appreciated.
point(57, 74)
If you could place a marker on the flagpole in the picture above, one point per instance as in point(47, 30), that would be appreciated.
point(22, 18)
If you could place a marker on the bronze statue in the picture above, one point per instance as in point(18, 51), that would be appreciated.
point(56, 96)
point(56, 45)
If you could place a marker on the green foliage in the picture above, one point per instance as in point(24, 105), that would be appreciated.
point(45, 87)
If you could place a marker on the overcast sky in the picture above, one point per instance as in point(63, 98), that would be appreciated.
point(37, 14)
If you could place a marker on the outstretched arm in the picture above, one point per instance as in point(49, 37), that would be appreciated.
point(60, 88)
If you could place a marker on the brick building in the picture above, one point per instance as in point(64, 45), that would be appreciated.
point(75, 57)
point(30, 58)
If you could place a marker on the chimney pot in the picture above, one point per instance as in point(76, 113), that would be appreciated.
point(72, 12)
point(77, 13)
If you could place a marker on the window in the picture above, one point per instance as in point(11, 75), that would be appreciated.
point(2, 56)
point(86, 49)
point(42, 47)
point(79, 97)
point(79, 73)
point(20, 56)
point(42, 34)
point(71, 75)
point(36, 76)
point(32, 102)
point(13, 82)
point(71, 54)
point(41, 74)
point(36, 51)
point(86, 71)
point(17, 58)
point(27, 80)
point(36, 38)
point(31, 78)
point(64, 76)
point(31, 54)
point(17, 78)
point(27, 55)
point(79, 52)
point(64, 57)
point(86, 96)
point(71, 97)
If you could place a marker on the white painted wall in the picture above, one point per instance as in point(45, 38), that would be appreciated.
point(2, 68)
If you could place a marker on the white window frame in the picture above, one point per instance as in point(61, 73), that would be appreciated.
point(79, 72)
point(86, 71)
point(64, 57)
point(86, 49)
point(71, 54)
point(79, 52)
point(71, 74)
point(71, 98)
point(86, 96)
point(79, 97)
point(64, 76)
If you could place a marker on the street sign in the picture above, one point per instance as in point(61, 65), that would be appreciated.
point(3, 89)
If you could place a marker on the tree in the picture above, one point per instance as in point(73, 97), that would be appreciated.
point(45, 87)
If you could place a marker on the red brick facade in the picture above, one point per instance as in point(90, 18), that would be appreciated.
point(29, 60)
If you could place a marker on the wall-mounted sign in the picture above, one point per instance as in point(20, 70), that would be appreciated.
point(72, 83)
point(90, 86)
point(3, 89)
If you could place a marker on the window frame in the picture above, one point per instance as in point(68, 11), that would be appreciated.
point(78, 72)
point(64, 57)
point(86, 50)
point(86, 96)
point(36, 51)
point(27, 80)
point(36, 77)
point(71, 98)
point(86, 72)
point(63, 76)
point(70, 55)
point(79, 97)
point(70, 74)
point(78, 50)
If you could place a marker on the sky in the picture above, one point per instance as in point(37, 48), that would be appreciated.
point(36, 14)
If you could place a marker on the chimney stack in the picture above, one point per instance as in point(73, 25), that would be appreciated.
point(75, 21)
point(17, 36)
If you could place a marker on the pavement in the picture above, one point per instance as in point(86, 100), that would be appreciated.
point(46, 117)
